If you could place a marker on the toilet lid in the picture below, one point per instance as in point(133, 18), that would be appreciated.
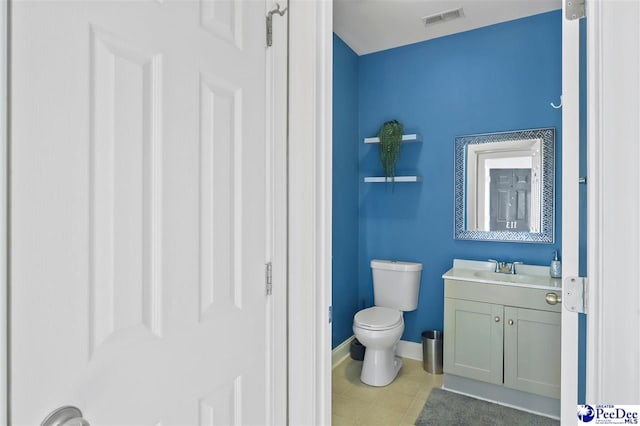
point(378, 318)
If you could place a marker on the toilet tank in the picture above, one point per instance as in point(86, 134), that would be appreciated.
point(396, 284)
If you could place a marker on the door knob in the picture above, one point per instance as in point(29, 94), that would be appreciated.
point(553, 298)
point(65, 416)
point(510, 322)
point(497, 319)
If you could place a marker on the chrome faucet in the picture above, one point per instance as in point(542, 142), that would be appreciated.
point(513, 267)
point(501, 267)
point(505, 267)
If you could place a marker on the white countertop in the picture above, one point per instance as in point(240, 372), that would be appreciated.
point(531, 276)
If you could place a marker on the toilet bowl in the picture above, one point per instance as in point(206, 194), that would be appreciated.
point(379, 329)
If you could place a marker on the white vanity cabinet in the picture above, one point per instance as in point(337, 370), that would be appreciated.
point(502, 334)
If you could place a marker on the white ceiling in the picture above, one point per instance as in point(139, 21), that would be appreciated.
point(372, 25)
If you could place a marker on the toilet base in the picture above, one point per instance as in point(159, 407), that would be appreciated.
point(380, 367)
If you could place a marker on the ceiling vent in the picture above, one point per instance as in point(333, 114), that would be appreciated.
point(443, 16)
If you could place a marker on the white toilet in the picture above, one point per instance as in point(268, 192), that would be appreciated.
point(379, 328)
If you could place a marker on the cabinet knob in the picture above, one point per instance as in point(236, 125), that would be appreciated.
point(553, 298)
point(497, 319)
point(510, 322)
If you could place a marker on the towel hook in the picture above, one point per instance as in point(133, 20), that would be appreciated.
point(557, 106)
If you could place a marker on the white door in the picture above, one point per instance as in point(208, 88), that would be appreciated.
point(613, 341)
point(138, 243)
point(570, 212)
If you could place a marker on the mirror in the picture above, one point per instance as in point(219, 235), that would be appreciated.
point(504, 186)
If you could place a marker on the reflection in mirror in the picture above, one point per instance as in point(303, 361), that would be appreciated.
point(504, 186)
point(502, 178)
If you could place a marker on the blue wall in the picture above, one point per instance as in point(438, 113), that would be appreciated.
point(492, 79)
point(582, 318)
point(345, 190)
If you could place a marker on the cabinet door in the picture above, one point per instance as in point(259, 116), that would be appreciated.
point(532, 351)
point(473, 340)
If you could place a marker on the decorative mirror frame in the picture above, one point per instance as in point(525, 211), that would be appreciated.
point(546, 234)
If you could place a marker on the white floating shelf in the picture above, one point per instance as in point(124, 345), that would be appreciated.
point(405, 138)
point(382, 179)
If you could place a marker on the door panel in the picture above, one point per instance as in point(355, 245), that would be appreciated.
point(473, 340)
point(125, 173)
point(532, 351)
point(138, 206)
point(510, 193)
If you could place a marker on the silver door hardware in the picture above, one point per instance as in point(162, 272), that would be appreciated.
point(582, 180)
point(497, 319)
point(330, 314)
point(574, 289)
point(278, 11)
point(268, 277)
point(510, 322)
point(552, 298)
point(574, 9)
point(65, 416)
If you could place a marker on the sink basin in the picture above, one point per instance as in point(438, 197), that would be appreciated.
point(517, 278)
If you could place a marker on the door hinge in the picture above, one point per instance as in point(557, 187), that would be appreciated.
point(268, 278)
point(330, 314)
point(574, 9)
point(270, 22)
point(574, 296)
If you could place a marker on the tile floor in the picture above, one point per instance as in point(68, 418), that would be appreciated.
point(399, 403)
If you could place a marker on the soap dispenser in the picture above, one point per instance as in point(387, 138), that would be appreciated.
point(555, 269)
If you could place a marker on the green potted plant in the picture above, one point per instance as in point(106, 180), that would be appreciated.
point(390, 135)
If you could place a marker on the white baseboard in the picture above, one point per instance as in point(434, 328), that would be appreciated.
point(340, 352)
point(411, 350)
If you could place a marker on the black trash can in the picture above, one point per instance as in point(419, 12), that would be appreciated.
point(432, 351)
point(357, 350)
